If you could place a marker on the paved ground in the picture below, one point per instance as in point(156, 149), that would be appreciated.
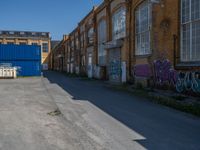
point(93, 118)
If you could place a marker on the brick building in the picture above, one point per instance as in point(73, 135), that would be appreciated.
point(58, 56)
point(28, 38)
point(141, 40)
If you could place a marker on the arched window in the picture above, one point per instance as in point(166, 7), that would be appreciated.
point(119, 24)
point(101, 40)
point(143, 29)
point(90, 35)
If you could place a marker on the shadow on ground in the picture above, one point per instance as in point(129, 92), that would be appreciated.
point(163, 128)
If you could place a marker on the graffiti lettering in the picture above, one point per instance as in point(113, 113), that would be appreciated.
point(115, 69)
point(164, 73)
point(189, 81)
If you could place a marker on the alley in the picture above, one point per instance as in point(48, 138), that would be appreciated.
point(158, 127)
point(93, 117)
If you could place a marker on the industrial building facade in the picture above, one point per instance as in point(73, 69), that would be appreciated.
point(140, 40)
point(28, 38)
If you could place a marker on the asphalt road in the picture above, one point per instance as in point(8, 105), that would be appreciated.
point(93, 117)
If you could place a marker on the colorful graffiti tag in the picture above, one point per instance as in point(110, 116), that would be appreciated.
point(189, 81)
point(164, 72)
point(96, 72)
point(115, 69)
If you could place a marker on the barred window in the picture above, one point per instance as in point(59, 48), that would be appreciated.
point(119, 24)
point(190, 30)
point(143, 29)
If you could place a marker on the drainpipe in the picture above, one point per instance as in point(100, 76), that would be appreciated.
point(129, 37)
point(174, 43)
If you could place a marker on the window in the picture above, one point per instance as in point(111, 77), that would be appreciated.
point(11, 32)
point(11, 43)
point(44, 34)
point(101, 40)
point(34, 43)
point(72, 43)
point(77, 43)
point(190, 30)
point(143, 29)
point(82, 40)
point(91, 35)
point(22, 43)
point(22, 33)
point(45, 47)
point(119, 24)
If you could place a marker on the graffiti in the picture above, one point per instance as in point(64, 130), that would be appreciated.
point(77, 70)
point(115, 69)
point(143, 70)
point(96, 72)
point(164, 73)
point(189, 81)
point(89, 70)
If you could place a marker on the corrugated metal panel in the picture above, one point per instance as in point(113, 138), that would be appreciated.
point(26, 68)
point(26, 57)
point(20, 52)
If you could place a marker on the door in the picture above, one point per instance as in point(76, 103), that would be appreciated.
point(114, 65)
point(89, 65)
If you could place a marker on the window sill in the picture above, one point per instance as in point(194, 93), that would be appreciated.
point(188, 64)
point(143, 56)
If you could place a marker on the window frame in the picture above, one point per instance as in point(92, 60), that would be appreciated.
point(138, 50)
point(90, 35)
point(190, 22)
point(102, 37)
point(47, 47)
point(119, 33)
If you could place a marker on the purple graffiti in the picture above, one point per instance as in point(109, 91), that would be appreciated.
point(164, 73)
point(143, 70)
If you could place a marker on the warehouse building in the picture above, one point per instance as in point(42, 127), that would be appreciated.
point(148, 42)
point(29, 38)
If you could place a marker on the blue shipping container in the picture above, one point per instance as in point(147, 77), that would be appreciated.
point(26, 68)
point(20, 52)
point(26, 57)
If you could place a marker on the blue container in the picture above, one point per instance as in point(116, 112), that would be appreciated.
point(26, 68)
point(19, 52)
point(26, 57)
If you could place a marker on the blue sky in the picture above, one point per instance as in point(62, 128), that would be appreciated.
point(55, 16)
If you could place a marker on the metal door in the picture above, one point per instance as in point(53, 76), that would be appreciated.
point(115, 65)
